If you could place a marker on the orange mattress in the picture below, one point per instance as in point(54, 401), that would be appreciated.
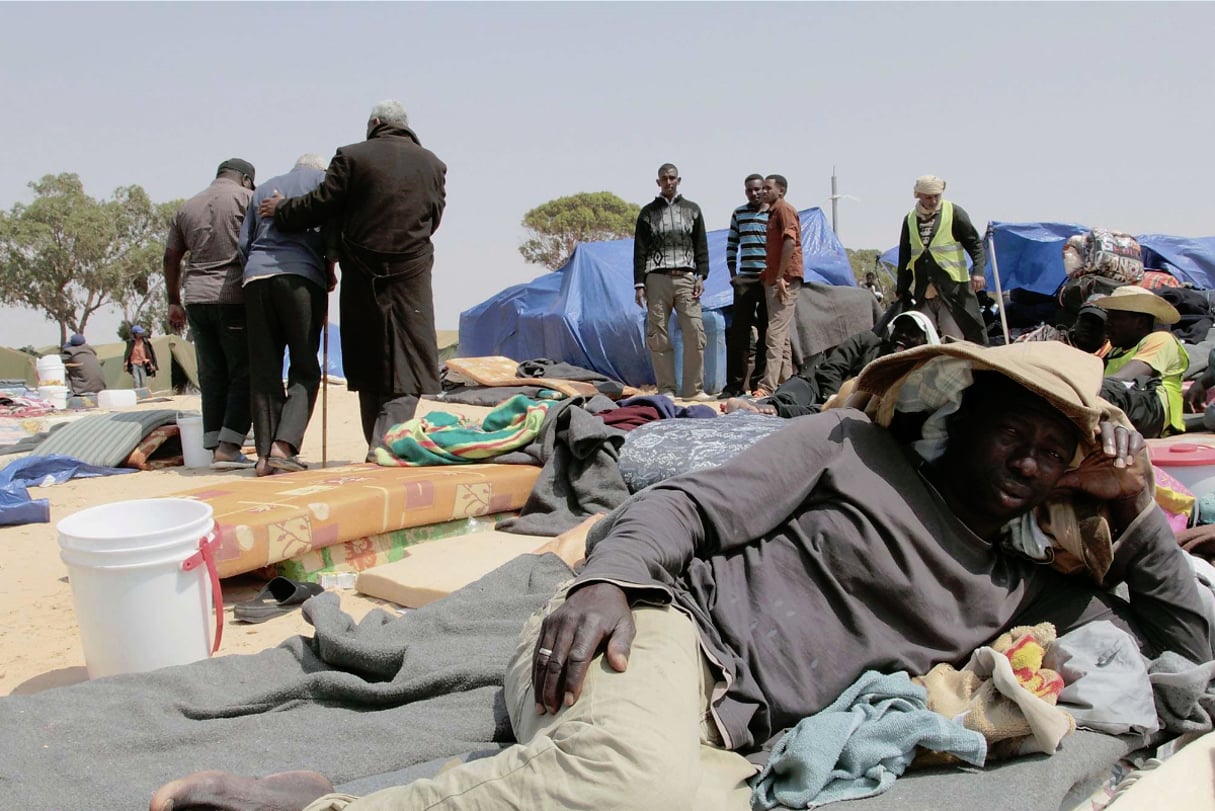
point(275, 518)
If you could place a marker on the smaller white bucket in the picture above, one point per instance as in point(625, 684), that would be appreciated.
point(137, 608)
point(55, 395)
point(51, 371)
point(116, 398)
point(191, 428)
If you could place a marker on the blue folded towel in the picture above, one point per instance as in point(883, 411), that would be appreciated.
point(858, 746)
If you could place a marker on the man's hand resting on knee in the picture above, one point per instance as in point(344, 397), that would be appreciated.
point(571, 636)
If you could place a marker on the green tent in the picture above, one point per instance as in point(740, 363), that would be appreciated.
point(175, 356)
point(16, 365)
point(449, 343)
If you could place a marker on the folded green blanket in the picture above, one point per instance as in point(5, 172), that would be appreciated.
point(441, 438)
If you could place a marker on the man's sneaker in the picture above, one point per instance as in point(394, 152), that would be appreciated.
point(700, 397)
point(726, 394)
point(670, 394)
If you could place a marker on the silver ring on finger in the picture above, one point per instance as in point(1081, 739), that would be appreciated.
point(545, 652)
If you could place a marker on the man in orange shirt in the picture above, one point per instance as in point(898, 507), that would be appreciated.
point(782, 279)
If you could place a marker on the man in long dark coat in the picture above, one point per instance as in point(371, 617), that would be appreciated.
point(387, 194)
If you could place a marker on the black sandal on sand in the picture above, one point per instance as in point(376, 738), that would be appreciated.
point(279, 596)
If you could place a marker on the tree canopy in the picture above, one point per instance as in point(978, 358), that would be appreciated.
point(555, 227)
point(67, 254)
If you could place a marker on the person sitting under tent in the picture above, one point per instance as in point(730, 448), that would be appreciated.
point(1087, 333)
point(718, 608)
point(809, 390)
point(84, 374)
point(1143, 371)
point(871, 284)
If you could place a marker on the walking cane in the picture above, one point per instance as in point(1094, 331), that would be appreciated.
point(325, 388)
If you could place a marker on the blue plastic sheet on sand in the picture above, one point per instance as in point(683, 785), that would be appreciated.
point(16, 506)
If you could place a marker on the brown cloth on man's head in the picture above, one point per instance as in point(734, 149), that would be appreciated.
point(1068, 379)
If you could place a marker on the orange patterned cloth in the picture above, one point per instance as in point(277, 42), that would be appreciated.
point(160, 448)
point(274, 518)
point(1026, 654)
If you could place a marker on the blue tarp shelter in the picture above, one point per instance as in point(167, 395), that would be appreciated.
point(336, 368)
point(584, 313)
point(1030, 255)
point(1191, 260)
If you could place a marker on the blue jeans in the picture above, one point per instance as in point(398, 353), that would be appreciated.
point(222, 347)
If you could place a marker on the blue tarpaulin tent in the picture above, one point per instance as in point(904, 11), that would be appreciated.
point(335, 354)
point(1191, 260)
point(584, 313)
point(1030, 255)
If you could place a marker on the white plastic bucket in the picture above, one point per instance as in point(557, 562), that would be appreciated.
point(57, 396)
point(191, 428)
point(116, 398)
point(51, 371)
point(137, 608)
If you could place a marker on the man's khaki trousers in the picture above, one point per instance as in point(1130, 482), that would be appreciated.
point(634, 740)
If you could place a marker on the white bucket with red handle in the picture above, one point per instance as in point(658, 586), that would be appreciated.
point(143, 583)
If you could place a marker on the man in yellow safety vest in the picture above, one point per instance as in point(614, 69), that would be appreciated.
point(936, 238)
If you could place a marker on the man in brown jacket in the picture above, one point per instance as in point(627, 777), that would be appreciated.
point(387, 195)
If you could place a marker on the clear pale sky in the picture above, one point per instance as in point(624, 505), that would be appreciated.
point(1097, 113)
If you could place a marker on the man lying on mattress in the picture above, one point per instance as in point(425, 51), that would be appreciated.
point(718, 608)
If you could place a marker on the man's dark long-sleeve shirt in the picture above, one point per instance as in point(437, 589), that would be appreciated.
point(823, 551)
point(670, 236)
point(387, 194)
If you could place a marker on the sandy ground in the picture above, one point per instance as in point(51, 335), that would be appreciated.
point(39, 639)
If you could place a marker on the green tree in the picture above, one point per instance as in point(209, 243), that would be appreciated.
point(555, 227)
point(141, 295)
point(68, 255)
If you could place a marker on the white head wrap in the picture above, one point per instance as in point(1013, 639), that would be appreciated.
point(929, 184)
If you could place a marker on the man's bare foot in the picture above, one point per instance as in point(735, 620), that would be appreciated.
point(744, 404)
point(220, 791)
point(281, 450)
point(262, 468)
point(227, 452)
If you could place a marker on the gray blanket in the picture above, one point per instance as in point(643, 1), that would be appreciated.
point(376, 704)
point(353, 701)
point(581, 474)
point(827, 315)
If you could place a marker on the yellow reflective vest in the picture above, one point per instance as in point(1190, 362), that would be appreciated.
point(946, 251)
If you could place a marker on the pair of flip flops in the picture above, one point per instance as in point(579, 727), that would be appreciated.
point(279, 596)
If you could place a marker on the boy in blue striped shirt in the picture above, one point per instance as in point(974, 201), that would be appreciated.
point(745, 257)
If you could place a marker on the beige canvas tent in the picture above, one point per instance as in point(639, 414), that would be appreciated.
point(175, 355)
point(16, 366)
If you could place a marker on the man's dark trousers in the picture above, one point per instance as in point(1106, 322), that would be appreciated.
point(1140, 401)
point(379, 412)
point(285, 312)
point(222, 349)
point(750, 310)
